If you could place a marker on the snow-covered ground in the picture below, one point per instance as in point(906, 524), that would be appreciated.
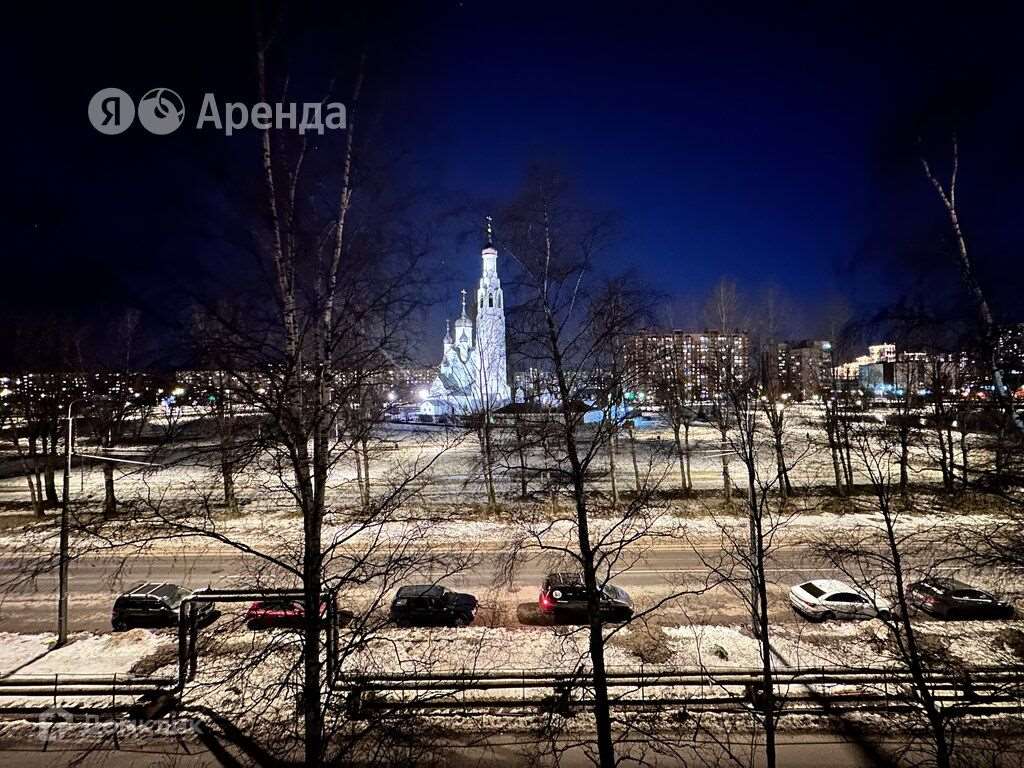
point(17, 650)
point(673, 525)
point(252, 677)
point(562, 649)
point(477, 649)
point(446, 467)
point(85, 655)
point(90, 654)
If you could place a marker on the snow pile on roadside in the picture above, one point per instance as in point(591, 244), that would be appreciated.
point(90, 654)
point(480, 649)
point(17, 650)
point(713, 647)
point(561, 649)
point(973, 642)
point(86, 655)
point(832, 644)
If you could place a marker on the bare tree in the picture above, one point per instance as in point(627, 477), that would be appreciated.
point(947, 193)
point(746, 550)
point(774, 406)
point(838, 418)
point(554, 250)
point(722, 308)
point(120, 403)
point(304, 355)
point(682, 414)
point(903, 428)
point(878, 558)
point(37, 395)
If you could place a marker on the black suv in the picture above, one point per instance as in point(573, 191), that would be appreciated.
point(564, 596)
point(431, 605)
point(952, 599)
point(156, 605)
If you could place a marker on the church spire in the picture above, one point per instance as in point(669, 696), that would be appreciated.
point(447, 331)
point(490, 233)
point(463, 302)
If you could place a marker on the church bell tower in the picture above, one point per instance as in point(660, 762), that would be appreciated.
point(490, 326)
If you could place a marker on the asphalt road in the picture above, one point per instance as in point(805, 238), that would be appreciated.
point(794, 750)
point(96, 581)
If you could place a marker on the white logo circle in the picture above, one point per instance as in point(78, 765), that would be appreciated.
point(161, 111)
point(111, 111)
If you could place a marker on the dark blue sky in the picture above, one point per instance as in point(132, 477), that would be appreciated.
point(761, 143)
point(756, 144)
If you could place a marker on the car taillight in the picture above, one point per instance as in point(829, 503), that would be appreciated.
point(545, 601)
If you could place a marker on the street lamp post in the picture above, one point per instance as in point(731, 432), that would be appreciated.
point(62, 570)
point(62, 602)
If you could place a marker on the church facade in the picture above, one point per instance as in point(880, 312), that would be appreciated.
point(473, 375)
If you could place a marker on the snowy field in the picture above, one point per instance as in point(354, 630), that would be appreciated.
point(668, 523)
point(446, 467)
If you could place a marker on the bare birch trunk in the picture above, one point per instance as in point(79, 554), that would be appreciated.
point(611, 472)
point(49, 456)
point(367, 497)
point(726, 480)
point(679, 454)
point(686, 445)
point(109, 498)
point(632, 451)
point(948, 198)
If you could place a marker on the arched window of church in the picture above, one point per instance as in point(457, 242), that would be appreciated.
point(490, 300)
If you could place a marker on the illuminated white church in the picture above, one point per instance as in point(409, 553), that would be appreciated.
point(473, 376)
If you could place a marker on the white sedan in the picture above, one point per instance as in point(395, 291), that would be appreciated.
point(826, 599)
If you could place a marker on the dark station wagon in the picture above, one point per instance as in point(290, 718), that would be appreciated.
point(563, 596)
point(432, 605)
point(952, 599)
point(153, 605)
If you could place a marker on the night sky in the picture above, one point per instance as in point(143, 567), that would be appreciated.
point(768, 145)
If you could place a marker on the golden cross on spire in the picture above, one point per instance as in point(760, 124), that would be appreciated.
point(490, 230)
point(463, 302)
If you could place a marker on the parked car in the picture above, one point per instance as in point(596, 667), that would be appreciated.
point(826, 599)
point(279, 613)
point(154, 605)
point(952, 599)
point(563, 596)
point(432, 605)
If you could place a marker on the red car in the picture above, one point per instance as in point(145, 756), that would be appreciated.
point(279, 612)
